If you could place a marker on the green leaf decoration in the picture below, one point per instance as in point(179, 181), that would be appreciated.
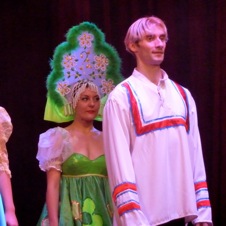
point(89, 218)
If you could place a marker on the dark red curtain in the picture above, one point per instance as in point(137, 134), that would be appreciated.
point(195, 57)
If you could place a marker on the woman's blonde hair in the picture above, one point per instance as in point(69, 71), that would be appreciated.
point(80, 87)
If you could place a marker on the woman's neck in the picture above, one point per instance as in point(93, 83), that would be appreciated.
point(82, 127)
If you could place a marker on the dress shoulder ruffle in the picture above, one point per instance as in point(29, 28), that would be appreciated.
point(5, 125)
point(53, 148)
point(5, 132)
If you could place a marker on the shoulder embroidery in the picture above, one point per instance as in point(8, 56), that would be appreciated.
point(143, 127)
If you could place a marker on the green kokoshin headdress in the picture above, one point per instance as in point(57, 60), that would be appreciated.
point(84, 56)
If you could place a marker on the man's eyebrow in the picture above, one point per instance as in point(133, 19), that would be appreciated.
point(152, 34)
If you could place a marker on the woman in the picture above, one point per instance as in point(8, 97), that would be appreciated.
point(7, 208)
point(85, 69)
point(73, 158)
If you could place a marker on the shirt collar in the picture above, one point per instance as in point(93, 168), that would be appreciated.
point(142, 77)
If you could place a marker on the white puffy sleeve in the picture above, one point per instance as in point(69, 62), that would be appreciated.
point(5, 132)
point(53, 148)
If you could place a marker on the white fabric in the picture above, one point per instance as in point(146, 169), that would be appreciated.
point(5, 132)
point(164, 164)
point(54, 147)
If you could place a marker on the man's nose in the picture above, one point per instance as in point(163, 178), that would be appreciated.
point(159, 42)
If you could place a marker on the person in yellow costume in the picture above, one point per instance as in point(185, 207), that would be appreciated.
point(85, 69)
point(7, 207)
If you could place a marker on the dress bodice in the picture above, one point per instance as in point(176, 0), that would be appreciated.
point(78, 164)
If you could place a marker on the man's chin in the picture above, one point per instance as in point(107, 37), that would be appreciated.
point(159, 61)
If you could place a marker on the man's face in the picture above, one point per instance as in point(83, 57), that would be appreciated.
point(150, 49)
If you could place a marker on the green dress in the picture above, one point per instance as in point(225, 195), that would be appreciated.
point(84, 190)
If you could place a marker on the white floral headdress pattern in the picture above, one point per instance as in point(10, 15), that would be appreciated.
point(85, 56)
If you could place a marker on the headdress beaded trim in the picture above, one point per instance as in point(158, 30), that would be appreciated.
point(85, 58)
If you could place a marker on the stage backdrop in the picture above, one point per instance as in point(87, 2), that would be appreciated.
point(195, 57)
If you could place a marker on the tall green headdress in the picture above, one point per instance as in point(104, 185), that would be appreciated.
point(85, 55)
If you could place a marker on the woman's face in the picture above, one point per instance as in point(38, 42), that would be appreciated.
point(88, 105)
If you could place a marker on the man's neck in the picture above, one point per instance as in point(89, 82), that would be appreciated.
point(153, 73)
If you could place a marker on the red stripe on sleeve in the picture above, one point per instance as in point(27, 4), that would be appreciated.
point(203, 203)
point(128, 207)
point(123, 187)
point(200, 185)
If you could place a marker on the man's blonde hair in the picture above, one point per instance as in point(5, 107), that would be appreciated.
point(140, 27)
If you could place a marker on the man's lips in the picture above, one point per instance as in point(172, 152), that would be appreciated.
point(158, 52)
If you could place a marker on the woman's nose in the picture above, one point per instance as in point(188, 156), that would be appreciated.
point(91, 102)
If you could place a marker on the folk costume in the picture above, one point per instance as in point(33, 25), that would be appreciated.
point(85, 58)
point(160, 176)
point(5, 132)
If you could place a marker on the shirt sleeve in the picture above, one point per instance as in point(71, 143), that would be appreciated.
point(116, 132)
point(5, 132)
point(200, 182)
point(50, 149)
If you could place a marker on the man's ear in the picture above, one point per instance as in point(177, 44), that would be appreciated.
point(133, 47)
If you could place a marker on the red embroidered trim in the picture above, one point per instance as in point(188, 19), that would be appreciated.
point(200, 185)
point(123, 187)
point(128, 207)
point(182, 92)
point(155, 125)
point(203, 203)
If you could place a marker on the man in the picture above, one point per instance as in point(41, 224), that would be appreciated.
point(152, 142)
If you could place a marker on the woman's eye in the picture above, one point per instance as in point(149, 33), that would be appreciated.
point(84, 98)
